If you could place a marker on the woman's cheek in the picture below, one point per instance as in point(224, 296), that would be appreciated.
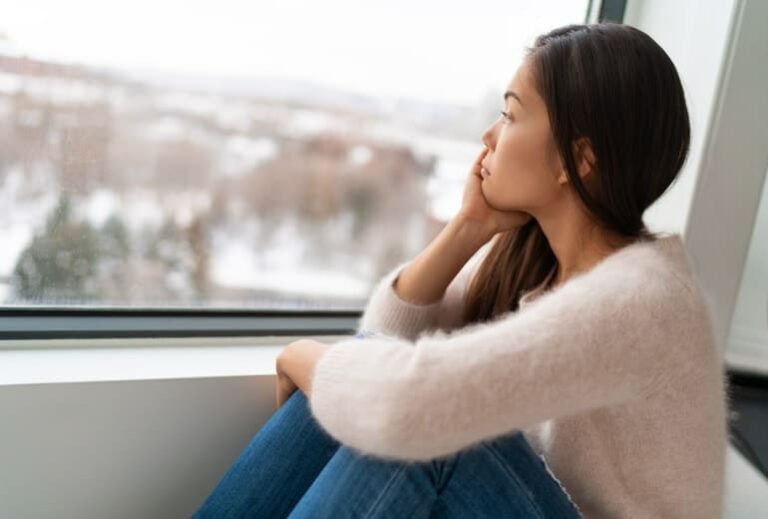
point(502, 191)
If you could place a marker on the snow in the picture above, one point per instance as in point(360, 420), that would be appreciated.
point(360, 155)
point(100, 206)
point(241, 154)
point(279, 267)
point(141, 208)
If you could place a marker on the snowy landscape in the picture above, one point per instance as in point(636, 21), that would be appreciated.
point(123, 190)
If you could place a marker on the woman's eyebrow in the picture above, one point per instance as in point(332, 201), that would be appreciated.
point(509, 94)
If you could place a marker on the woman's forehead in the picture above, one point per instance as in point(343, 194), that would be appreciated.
point(520, 75)
point(522, 86)
point(518, 87)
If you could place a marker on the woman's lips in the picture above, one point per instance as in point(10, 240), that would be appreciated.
point(484, 172)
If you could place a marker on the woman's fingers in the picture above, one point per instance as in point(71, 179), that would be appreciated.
point(477, 164)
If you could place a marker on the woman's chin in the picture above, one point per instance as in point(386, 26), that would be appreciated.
point(488, 199)
point(494, 204)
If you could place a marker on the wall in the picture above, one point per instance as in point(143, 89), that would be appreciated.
point(123, 450)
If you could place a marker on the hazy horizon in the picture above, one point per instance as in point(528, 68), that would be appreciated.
point(470, 49)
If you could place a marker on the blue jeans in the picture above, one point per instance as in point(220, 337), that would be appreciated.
point(293, 468)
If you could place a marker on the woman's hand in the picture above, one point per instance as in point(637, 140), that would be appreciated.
point(285, 386)
point(295, 367)
point(475, 208)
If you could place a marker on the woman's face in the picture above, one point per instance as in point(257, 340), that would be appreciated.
point(522, 159)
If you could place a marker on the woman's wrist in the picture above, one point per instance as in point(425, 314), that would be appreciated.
point(471, 232)
point(426, 278)
point(298, 359)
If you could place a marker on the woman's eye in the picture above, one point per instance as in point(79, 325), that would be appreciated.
point(505, 115)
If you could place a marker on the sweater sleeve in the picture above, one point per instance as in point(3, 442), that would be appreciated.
point(578, 347)
point(389, 314)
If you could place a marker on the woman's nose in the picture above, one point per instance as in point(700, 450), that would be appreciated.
point(488, 137)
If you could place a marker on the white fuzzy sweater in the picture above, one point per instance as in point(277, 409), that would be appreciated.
point(614, 376)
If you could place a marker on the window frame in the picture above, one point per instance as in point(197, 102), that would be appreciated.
point(605, 11)
point(36, 323)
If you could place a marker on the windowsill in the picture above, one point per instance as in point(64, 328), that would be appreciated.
point(99, 360)
point(756, 364)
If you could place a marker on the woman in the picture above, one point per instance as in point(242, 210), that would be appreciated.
point(573, 373)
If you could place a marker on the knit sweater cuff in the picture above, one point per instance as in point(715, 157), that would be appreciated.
point(389, 314)
point(330, 375)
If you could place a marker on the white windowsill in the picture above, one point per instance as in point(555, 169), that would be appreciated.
point(98, 360)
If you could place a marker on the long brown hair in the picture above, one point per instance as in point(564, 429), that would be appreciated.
point(614, 85)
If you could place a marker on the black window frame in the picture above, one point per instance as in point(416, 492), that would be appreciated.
point(607, 10)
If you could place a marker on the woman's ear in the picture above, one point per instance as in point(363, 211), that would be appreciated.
point(584, 156)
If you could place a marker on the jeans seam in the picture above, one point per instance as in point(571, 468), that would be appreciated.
point(517, 480)
point(373, 508)
point(446, 467)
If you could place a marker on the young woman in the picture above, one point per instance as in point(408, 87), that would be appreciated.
point(571, 370)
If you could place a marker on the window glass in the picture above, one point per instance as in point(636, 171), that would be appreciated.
point(748, 339)
point(237, 153)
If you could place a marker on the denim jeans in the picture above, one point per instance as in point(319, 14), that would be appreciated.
point(293, 468)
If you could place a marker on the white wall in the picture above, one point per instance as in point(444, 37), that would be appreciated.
point(123, 450)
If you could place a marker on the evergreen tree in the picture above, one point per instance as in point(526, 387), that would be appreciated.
point(60, 264)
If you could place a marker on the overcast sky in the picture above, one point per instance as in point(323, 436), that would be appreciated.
point(426, 49)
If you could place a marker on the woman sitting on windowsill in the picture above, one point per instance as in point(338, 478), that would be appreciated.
point(573, 372)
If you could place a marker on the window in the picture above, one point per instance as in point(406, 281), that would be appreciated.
point(239, 156)
point(748, 337)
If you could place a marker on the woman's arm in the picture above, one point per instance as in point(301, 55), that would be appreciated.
point(424, 280)
point(295, 367)
point(420, 302)
point(426, 292)
point(592, 342)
